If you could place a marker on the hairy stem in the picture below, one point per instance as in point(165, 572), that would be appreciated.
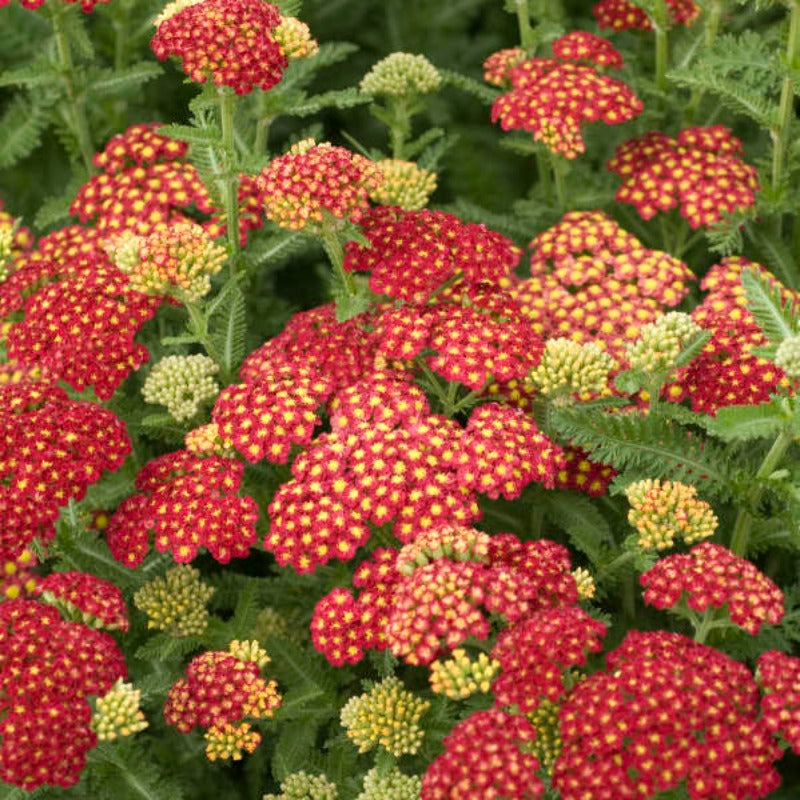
point(262, 132)
point(230, 194)
point(558, 182)
point(711, 29)
point(661, 27)
point(780, 133)
point(77, 112)
point(740, 538)
point(400, 129)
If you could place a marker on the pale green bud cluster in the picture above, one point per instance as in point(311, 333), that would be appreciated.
point(249, 650)
point(547, 745)
point(585, 583)
point(459, 677)
point(117, 713)
point(570, 368)
point(401, 75)
point(404, 184)
point(6, 250)
point(787, 356)
point(182, 384)
point(176, 603)
point(660, 343)
point(386, 715)
point(302, 786)
point(272, 623)
point(392, 786)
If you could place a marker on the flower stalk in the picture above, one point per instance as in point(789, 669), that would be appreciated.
point(230, 193)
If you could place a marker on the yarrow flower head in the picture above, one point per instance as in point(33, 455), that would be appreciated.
point(312, 181)
point(569, 368)
point(536, 653)
point(85, 598)
point(585, 583)
point(87, 6)
point(393, 785)
point(778, 675)
point(667, 710)
point(182, 384)
point(585, 46)
point(294, 39)
point(404, 184)
point(401, 75)
point(660, 343)
point(497, 66)
point(553, 97)
point(699, 170)
point(710, 575)
point(177, 260)
point(547, 745)
point(486, 755)
point(387, 715)
point(459, 677)
point(48, 670)
point(16, 575)
point(412, 253)
point(221, 691)
point(662, 511)
point(622, 15)
point(117, 713)
point(231, 41)
point(787, 357)
point(208, 441)
point(187, 503)
point(304, 786)
point(176, 602)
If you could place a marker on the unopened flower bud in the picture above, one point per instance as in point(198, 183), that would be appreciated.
point(401, 75)
point(182, 384)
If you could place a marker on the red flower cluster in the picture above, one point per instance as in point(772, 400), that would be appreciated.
point(87, 598)
point(593, 281)
point(219, 687)
point(497, 65)
point(266, 416)
point(711, 575)
point(779, 677)
point(534, 654)
point(139, 145)
point(667, 710)
point(337, 351)
point(412, 253)
point(187, 503)
point(51, 449)
point(700, 170)
point(82, 328)
point(728, 372)
point(621, 15)
point(48, 669)
point(434, 603)
point(313, 180)
point(86, 5)
point(230, 41)
point(486, 756)
point(552, 98)
point(583, 475)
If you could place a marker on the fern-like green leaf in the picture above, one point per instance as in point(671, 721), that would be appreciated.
point(486, 94)
point(39, 73)
point(337, 98)
point(293, 748)
point(21, 128)
point(584, 524)
point(295, 666)
point(778, 319)
point(746, 422)
point(776, 255)
point(110, 82)
point(647, 443)
point(229, 330)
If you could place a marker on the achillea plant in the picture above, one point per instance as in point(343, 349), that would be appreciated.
point(397, 454)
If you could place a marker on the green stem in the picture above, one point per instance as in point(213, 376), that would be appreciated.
point(660, 27)
point(335, 252)
point(199, 329)
point(558, 182)
point(227, 100)
point(544, 172)
point(526, 33)
point(400, 129)
point(780, 133)
point(711, 29)
point(436, 387)
point(77, 113)
point(744, 521)
point(262, 132)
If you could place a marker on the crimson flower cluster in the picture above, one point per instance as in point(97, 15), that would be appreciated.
point(553, 97)
point(621, 15)
point(91, 600)
point(51, 450)
point(699, 170)
point(486, 756)
point(667, 710)
point(412, 253)
point(711, 575)
point(48, 669)
point(87, 6)
point(728, 371)
point(187, 503)
point(779, 677)
point(535, 653)
point(428, 598)
point(231, 41)
point(594, 281)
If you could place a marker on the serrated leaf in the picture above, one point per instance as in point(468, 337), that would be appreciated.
point(21, 128)
point(586, 527)
point(776, 255)
point(630, 381)
point(775, 316)
point(162, 647)
point(40, 73)
point(230, 329)
point(190, 134)
point(746, 422)
point(337, 98)
point(486, 94)
point(113, 82)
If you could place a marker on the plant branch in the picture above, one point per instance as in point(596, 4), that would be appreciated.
point(227, 100)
